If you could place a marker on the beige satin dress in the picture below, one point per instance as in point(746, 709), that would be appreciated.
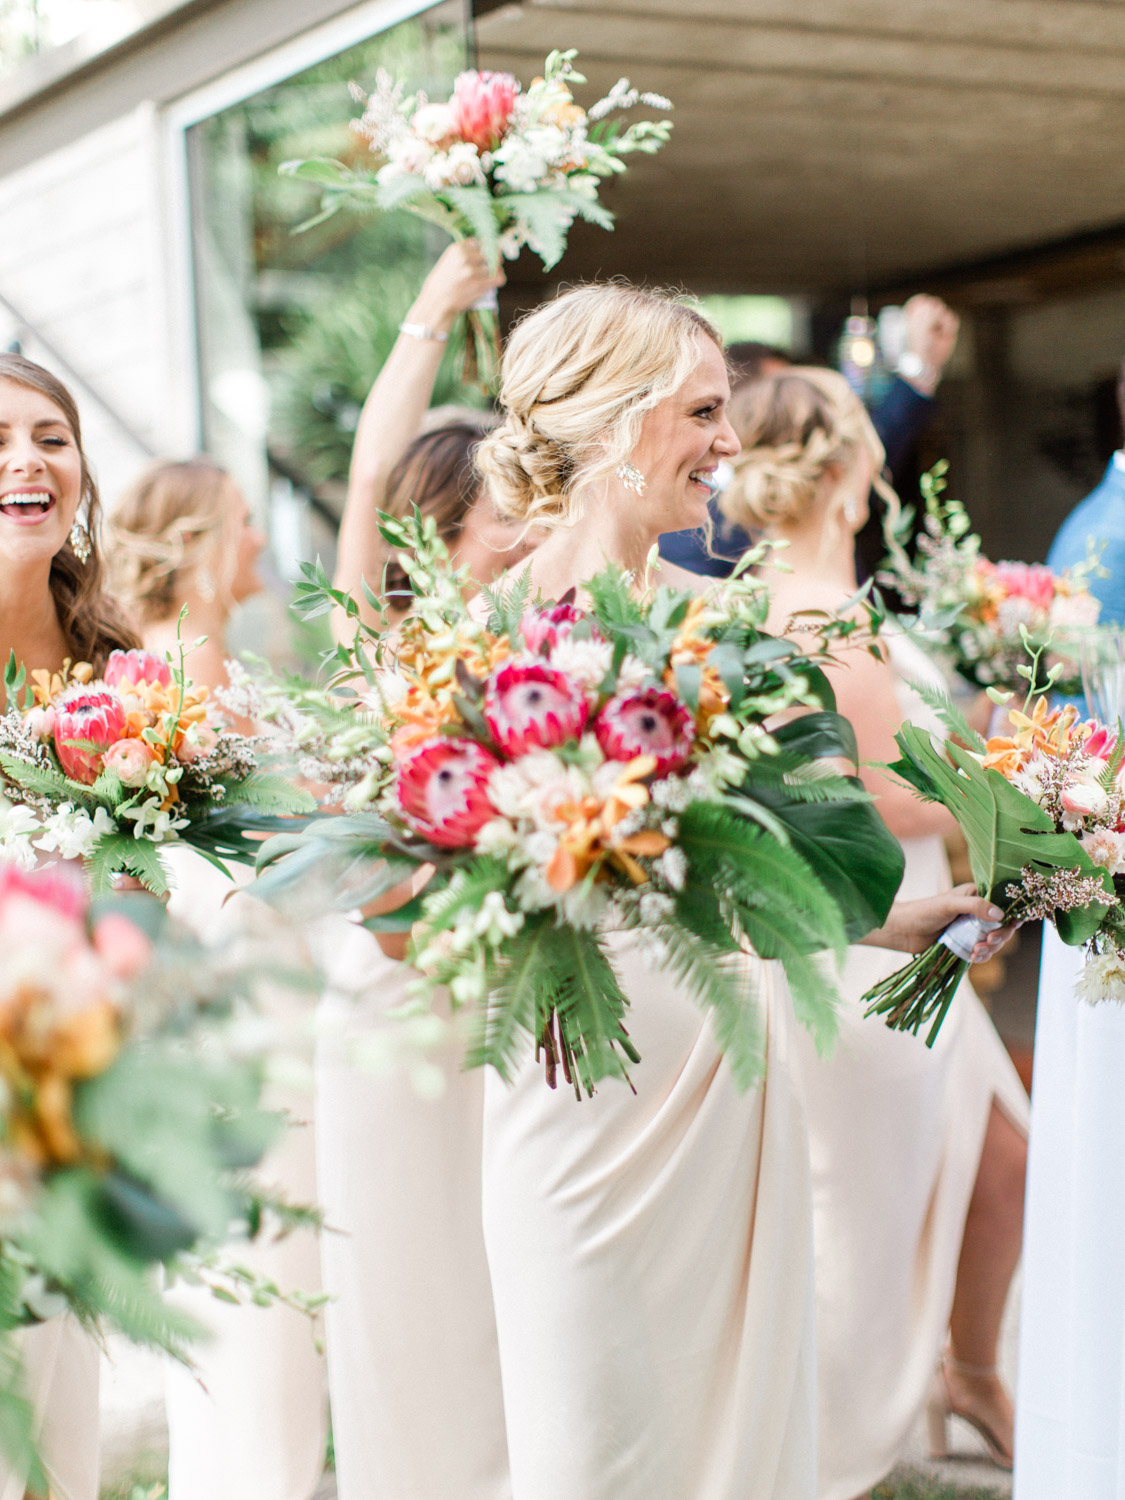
point(651, 1265)
point(895, 1137)
point(412, 1359)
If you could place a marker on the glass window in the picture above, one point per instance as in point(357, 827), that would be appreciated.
point(294, 326)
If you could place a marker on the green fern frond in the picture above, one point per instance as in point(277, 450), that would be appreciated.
point(721, 982)
point(949, 714)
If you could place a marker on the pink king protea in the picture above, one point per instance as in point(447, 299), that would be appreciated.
point(531, 706)
point(482, 105)
point(647, 721)
point(442, 790)
point(88, 720)
point(137, 667)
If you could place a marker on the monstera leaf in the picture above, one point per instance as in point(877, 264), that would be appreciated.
point(1004, 830)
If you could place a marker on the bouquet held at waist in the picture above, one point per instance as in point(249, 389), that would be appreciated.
point(111, 770)
point(987, 616)
point(566, 770)
point(1042, 809)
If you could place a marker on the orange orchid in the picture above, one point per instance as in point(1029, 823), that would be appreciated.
point(1046, 729)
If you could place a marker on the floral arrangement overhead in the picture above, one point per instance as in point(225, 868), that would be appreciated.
point(988, 616)
point(128, 1119)
point(570, 770)
point(110, 770)
point(495, 162)
point(1043, 813)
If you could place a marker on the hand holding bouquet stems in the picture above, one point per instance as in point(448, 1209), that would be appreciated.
point(1043, 813)
point(568, 769)
point(128, 1119)
point(988, 616)
point(505, 166)
point(109, 770)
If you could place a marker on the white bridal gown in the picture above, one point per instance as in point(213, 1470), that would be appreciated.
point(1070, 1411)
point(413, 1365)
point(651, 1260)
point(251, 1419)
point(895, 1137)
point(61, 1362)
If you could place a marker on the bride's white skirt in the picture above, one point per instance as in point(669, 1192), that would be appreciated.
point(652, 1269)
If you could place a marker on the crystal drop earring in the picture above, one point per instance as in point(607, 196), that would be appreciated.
point(631, 477)
point(80, 542)
point(205, 585)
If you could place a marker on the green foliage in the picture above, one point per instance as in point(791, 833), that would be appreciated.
point(1004, 830)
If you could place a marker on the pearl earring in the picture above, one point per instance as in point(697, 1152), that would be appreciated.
point(631, 477)
point(205, 585)
point(851, 515)
point(80, 542)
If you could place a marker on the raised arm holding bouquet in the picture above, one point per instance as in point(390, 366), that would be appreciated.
point(506, 166)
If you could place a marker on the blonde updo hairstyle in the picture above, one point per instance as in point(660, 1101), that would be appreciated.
point(578, 377)
point(794, 428)
point(168, 531)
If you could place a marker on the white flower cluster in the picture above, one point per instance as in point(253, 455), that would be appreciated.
point(68, 831)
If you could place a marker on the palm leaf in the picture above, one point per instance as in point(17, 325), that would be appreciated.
point(518, 999)
point(1004, 830)
point(715, 973)
point(590, 1004)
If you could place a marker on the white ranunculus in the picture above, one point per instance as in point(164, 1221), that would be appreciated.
point(460, 166)
point(434, 123)
point(1102, 979)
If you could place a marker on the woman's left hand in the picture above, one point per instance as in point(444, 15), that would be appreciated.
point(912, 926)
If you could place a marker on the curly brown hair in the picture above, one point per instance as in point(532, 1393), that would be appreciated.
point(92, 622)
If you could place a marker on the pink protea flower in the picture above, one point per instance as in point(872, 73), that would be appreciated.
point(60, 888)
point(482, 105)
point(1031, 581)
point(137, 667)
point(442, 790)
point(88, 720)
point(530, 706)
point(543, 628)
point(647, 721)
point(1100, 742)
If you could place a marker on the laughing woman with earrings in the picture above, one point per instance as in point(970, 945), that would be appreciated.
point(650, 1252)
point(53, 608)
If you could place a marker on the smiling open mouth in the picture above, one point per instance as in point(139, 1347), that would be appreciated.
point(24, 507)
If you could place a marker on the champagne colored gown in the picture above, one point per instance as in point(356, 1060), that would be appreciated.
point(651, 1265)
point(251, 1418)
point(412, 1359)
point(895, 1137)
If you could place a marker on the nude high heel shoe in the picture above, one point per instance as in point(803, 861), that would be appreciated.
point(940, 1407)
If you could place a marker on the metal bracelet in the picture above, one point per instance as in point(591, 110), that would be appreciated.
point(423, 331)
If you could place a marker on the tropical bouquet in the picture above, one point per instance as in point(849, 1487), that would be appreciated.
point(111, 770)
point(987, 615)
point(130, 1116)
point(507, 166)
point(1043, 813)
point(565, 771)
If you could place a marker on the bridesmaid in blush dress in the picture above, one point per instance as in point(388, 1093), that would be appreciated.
point(651, 1254)
point(918, 1154)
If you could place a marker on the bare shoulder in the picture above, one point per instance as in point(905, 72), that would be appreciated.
point(671, 576)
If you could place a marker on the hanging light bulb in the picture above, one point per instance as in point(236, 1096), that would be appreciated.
point(857, 354)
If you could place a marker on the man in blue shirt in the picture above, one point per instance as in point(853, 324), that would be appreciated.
point(931, 334)
point(1098, 519)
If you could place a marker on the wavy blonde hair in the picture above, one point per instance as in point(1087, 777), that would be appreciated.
point(794, 427)
point(578, 377)
point(167, 527)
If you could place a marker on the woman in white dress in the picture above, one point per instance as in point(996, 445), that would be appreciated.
point(251, 1417)
point(53, 606)
point(918, 1154)
point(651, 1255)
point(412, 1354)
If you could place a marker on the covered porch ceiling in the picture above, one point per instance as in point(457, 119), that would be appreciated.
point(826, 147)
